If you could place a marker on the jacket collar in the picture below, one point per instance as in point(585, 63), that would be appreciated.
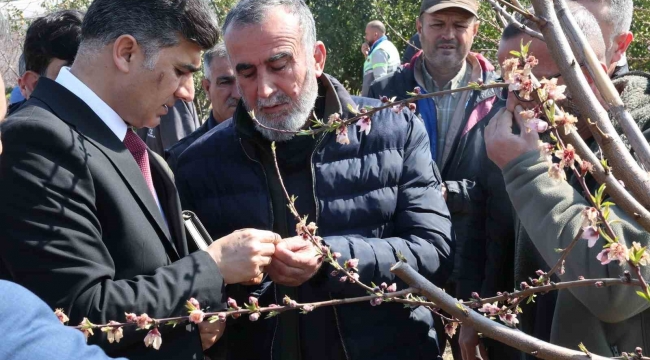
point(73, 111)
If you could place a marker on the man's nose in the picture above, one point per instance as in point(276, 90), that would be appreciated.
point(185, 90)
point(235, 92)
point(265, 87)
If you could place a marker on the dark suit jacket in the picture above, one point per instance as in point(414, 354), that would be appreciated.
point(82, 231)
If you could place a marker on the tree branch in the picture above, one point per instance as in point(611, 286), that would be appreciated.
point(615, 151)
point(511, 19)
point(487, 327)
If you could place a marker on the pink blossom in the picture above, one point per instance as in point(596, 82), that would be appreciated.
point(586, 167)
point(531, 62)
point(63, 318)
point(526, 88)
point(383, 286)
point(556, 172)
point(546, 150)
point(113, 334)
point(342, 135)
point(376, 301)
point(336, 255)
point(568, 156)
point(567, 121)
point(555, 92)
point(590, 234)
point(144, 321)
point(232, 303)
point(603, 257)
point(417, 90)
point(153, 338)
point(413, 107)
point(308, 308)
point(352, 264)
point(131, 317)
point(333, 118)
point(364, 124)
point(254, 316)
point(354, 277)
point(392, 288)
point(450, 329)
point(537, 125)
point(589, 217)
point(509, 319)
point(222, 317)
point(618, 251)
point(196, 316)
point(397, 108)
point(343, 279)
point(293, 303)
point(194, 303)
point(311, 227)
point(509, 68)
point(491, 309)
point(86, 328)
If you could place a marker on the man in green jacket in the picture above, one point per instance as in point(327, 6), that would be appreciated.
point(608, 321)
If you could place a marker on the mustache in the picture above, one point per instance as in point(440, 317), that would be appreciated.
point(447, 42)
point(232, 102)
point(276, 99)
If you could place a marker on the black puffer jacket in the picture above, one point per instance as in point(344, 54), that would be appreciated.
point(375, 197)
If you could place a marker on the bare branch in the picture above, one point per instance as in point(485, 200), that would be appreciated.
point(511, 19)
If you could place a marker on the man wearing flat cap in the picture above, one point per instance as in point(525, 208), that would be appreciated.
point(479, 205)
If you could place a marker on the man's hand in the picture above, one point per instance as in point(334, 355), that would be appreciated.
point(501, 144)
point(365, 49)
point(211, 333)
point(468, 341)
point(242, 255)
point(294, 262)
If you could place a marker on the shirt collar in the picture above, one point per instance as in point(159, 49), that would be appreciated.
point(96, 104)
point(452, 84)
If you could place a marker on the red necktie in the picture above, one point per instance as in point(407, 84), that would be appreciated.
point(138, 149)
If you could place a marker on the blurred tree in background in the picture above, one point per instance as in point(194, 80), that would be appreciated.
point(341, 23)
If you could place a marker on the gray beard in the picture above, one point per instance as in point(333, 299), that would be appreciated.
point(293, 119)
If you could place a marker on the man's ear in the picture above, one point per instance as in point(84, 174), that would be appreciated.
point(124, 49)
point(320, 55)
point(205, 84)
point(477, 23)
point(27, 83)
point(621, 43)
point(418, 24)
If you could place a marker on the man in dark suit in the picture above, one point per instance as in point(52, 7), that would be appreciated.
point(90, 218)
point(220, 86)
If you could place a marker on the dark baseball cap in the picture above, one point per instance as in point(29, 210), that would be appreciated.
point(431, 6)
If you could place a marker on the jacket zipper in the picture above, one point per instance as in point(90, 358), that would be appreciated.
point(275, 293)
point(313, 181)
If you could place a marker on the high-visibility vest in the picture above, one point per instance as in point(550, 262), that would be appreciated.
point(393, 57)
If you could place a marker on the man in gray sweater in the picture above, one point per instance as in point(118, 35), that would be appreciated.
point(608, 321)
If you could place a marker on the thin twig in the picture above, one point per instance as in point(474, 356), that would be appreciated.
point(387, 106)
point(565, 254)
point(277, 309)
point(511, 19)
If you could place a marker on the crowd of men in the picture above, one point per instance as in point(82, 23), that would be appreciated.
point(106, 150)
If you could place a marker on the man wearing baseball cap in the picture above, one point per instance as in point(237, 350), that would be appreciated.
point(481, 211)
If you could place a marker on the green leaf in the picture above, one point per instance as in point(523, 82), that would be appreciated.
point(212, 319)
point(605, 236)
point(531, 299)
point(352, 109)
point(173, 323)
point(525, 48)
point(558, 250)
point(643, 295)
point(515, 53)
point(608, 203)
point(582, 347)
point(271, 314)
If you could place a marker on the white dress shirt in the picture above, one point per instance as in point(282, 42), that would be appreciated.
point(103, 111)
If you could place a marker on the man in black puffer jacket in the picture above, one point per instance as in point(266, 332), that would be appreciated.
point(375, 197)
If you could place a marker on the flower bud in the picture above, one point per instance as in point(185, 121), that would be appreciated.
point(384, 99)
point(254, 316)
point(252, 300)
point(376, 301)
point(293, 304)
point(197, 316)
point(383, 286)
point(222, 317)
point(308, 308)
point(352, 263)
point(336, 255)
point(131, 317)
point(581, 277)
point(232, 303)
point(540, 273)
point(194, 303)
point(535, 282)
point(639, 351)
point(524, 285)
point(417, 90)
point(599, 284)
point(354, 277)
point(413, 107)
point(343, 279)
point(392, 288)
point(476, 296)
